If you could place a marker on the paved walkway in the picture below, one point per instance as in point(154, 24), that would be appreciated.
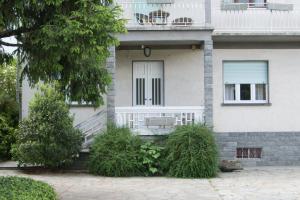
point(268, 183)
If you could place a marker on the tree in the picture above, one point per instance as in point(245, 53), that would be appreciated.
point(63, 40)
point(47, 137)
point(8, 105)
point(8, 108)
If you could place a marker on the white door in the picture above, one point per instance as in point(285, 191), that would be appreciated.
point(148, 88)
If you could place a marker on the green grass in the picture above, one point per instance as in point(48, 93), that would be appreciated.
point(17, 188)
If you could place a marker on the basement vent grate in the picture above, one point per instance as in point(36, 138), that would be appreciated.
point(248, 153)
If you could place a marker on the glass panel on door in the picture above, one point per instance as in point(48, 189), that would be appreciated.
point(148, 83)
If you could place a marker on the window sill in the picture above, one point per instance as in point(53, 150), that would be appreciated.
point(246, 104)
point(81, 105)
point(249, 159)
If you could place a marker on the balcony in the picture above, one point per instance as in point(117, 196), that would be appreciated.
point(255, 17)
point(164, 119)
point(163, 14)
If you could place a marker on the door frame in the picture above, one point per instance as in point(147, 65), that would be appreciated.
point(163, 75)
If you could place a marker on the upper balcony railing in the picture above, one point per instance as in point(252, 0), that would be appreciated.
point(151, 14)
point(272, 16)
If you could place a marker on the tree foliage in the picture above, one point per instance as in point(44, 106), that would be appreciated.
point(8, 108)
point(64, 40)
point(8, 78)
point(7, 138)
point(8, 104)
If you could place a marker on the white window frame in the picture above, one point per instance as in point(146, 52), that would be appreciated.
point(238, 94)
point(252, 88)
point(75, 103)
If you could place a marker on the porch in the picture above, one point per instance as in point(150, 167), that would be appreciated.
point(153, 94)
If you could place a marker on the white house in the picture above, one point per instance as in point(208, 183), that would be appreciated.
point(232, 64)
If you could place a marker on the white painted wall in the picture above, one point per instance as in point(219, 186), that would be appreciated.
point(80, 113)
point(183, 70)
point(284, 81)
point(83, 113)
point(27, 95)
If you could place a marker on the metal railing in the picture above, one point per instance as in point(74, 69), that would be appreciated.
point(142, 14)
point(135, 117)
point(255, 17)
point(92, 126)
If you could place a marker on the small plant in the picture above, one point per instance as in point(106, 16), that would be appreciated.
point(17, 188)
point(191, 152)
point(115, 153)
point(47, 137)
point(150, 157)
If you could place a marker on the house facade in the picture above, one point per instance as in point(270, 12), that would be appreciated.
point(232, 64)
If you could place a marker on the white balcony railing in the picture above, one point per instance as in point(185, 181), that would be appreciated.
point(254, 17)
point(144, 14)
point(135, 117)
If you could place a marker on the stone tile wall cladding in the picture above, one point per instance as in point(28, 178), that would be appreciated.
point(278, 149)
point(111, 93)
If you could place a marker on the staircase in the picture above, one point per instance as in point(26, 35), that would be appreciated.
point(91, 127)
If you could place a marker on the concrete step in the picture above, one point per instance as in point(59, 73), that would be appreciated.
point(8, 165)
point(81, 163)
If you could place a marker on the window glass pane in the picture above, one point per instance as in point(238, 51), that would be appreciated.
point(245, 91)
point(241, 1)
point(257, 3)
point(260, 92)
point(250, 1)
point(230, 92)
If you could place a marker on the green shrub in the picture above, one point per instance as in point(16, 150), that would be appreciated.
point(17, 188)
point(150, 155)
point(191, 152)
point(115, 153)
point(47, 137)
point(7, 138)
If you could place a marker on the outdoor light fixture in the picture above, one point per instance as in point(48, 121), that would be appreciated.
point(147, 51)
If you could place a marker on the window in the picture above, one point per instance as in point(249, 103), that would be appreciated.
point(248, 152)
point(253, 3)
point(245, 81)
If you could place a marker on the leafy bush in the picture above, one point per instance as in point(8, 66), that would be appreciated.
point(191, 152)
point(150, 155)
point(115, 153)
point(8, 108)
point(47, 137)
point(7, 138)
point(17, 188)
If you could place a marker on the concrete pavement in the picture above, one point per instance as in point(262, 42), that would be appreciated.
point(274, 183)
